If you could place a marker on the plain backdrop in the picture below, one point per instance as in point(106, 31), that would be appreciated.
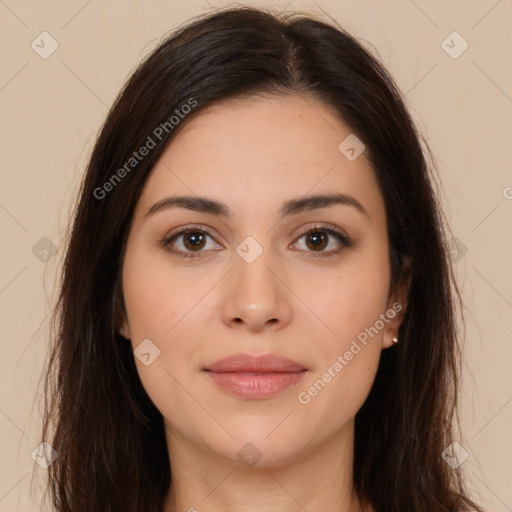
point(52, 106)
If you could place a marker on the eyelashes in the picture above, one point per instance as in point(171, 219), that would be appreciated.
point(168, 241)
point(320, 232)
point(332, 232)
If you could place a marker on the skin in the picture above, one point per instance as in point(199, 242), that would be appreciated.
point(253, 155)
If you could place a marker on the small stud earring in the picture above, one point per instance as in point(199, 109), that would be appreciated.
point(394, 339)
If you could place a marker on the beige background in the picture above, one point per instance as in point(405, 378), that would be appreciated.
point(51, 110)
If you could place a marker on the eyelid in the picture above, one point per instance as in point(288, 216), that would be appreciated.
point(321, 226)
point(165, 243)
point(333, 231)
point(188, 227)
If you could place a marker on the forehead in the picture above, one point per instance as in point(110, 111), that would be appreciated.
point(262, 151)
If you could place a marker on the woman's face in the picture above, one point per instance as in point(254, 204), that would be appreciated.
point(265, 274)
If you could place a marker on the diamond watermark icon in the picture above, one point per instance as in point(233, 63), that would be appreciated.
point(454, 455)
point(44, 45)
point(454, 45)
point(457, 249)
point(44, 455)
point(248, 249)
point(146, 352)
point(249, 455)
point(351, 147)
point(44, 249)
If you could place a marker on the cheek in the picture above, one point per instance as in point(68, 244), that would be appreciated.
point(350, 301)
point(162, 306)
point(350, 304)
point(153, 294)
point(347, 363)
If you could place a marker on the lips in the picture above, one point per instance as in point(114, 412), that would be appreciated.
point(262, 364)
point(252, 377)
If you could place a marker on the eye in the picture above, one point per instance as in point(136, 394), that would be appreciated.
point(193, 240)
point(317, 238)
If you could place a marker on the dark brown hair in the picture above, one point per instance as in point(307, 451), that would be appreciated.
point(108, 435)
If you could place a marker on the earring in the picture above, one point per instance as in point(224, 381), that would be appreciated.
point(394, 339)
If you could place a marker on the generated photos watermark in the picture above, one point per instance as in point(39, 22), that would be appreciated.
point(137, 156)
point(304, 397)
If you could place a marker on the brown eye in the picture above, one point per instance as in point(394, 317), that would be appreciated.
point(316, 240)
point(194, 240)
point(319, 237)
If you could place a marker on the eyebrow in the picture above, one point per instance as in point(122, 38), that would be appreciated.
point(290, 207)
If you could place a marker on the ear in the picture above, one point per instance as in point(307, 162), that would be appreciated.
point(124, 331)
point(397, 305)
point(120, 311)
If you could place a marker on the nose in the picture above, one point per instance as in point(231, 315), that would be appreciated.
point(256, 296)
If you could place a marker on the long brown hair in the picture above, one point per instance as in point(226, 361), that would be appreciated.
point(108, 435)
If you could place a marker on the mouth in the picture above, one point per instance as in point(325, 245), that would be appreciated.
point(252, 377)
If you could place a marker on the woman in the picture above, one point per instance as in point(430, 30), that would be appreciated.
point(257, 309)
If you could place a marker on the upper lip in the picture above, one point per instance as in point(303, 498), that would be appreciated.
point(260, 364)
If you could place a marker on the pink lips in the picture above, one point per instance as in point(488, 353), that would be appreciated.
point(252, 377)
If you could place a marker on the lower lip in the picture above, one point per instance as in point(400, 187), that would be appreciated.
point(256, 385)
